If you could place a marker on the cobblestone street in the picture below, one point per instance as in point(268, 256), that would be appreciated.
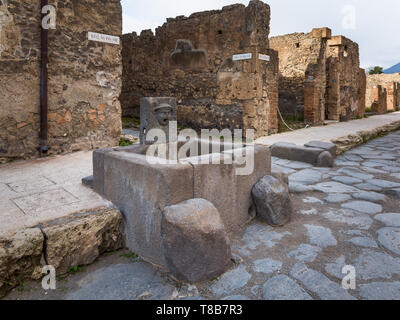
point(348, 215)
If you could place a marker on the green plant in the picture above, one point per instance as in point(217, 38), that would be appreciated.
point(368, 109)
point(376, 70)
point(75, 269)
point(130, 255)
point(124, 143)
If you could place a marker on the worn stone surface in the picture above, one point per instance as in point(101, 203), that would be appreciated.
point(390, 239)
point(363, 206)
point(320, 236)
point(272, 201)
point(231, 281)
point(196, 245)
point(380, 291)
point(84, 78)
point(191, 58)
point(267, 266)
point(284, 288)
point(305, 253)
point(20, 254)
point(389, 219)
point(80, 239)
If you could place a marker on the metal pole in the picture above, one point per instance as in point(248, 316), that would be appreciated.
point(43, 83)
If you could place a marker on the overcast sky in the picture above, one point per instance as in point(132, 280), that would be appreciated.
point(376, 26)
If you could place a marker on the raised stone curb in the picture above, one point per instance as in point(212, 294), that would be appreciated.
point(63, 243)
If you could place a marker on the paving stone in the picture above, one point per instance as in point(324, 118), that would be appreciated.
point(267, 265)
point(389, 219)
point(284, 288)
point(312, 200)
point(376, 265)
point(393, 192)
point(384, 183)
point(368, 187)
point(231, 281)
point(351, 218)
point(347, 180)
point(295, 187)
point(344, 163)
point(335, 268)
point(307, 176)
point(365, 242)
point(355, 173)
point(337, 198)
point(390, 239)
point(310, 212)
point(373, 170)
point(255, 290)
point(260, 234)
point(391, 169)
point(237, 298)
point(372, 164)
point(369, 196)
point(319, 284)
point(287, 170)
point(396, 175)
point(380, 291)
point(297, 165)
point(352, 157)
point(320, 236)
point(363, 206)
point(125, 281)
point(334, 187)
point(305, 253)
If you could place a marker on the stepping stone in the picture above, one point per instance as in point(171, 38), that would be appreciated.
point(334, 187)
point(369, 196)
point(347, 180)
point(319, 284)
point(351, 218)
point(337, 198)
point(305, 253)
point(390, 239)
point(231, 281)
point(380, 291)
point(365, 242)
point(389, 219)
point(267, 266)
point(363, 206)
point(320, 236)
point(283, 288)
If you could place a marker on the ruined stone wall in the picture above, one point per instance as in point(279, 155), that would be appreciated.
point(321, 75)
point(391, 82)
point(84, 77)
point(379, 99)
point(190, 58)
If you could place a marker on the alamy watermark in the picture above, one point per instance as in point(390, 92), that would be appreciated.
point(49, 20)
point(349, 20)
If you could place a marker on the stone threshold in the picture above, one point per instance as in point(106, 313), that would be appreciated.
point(76, 240)
point(352, 141)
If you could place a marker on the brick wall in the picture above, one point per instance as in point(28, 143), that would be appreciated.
point(84, 77)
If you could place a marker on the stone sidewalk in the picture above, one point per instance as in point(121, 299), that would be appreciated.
point(333, 132)
point(37, 191)
point(346, 215)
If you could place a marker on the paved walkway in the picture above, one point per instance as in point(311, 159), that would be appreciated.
point(45, 189)
point(345, 216)
point(332, 131)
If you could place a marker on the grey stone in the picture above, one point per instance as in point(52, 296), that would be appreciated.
point(284, 288)
point(363, 206)
point(384, 183)
point(298, 165)
point(294, 152)
point(320, 236)
point(335, 268)
point(327, 146)
point(380, 291)
point(279, 174)
point(344, 163)
point(312, 200)
point(390, 239)
point(365, 242)
point(389, 219)
point(368, 187)
point(196, 245)
point(306, 176)
point(126, 281)
point(319, 284)
point(231, 281)
point(351, 218)
point(310, 212)
point(156, 113)
point(334, 187)
point(376, 265)
point(295, 187)
point(305, 253)
point(267, 265)
point(393, 192)
point(257, 235)
point(369, 196)
point(88, 181)
point(236, 298)
point(325, 159)
point(272, 201)
point(347, 180)
point(337, 198)
point(355, 173)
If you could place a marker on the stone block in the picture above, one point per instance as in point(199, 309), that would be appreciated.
point(196, 245)
point(324, 33)
point(330, 147)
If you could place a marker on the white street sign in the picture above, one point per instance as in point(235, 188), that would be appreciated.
point(243, 56)
point(264, 57)
point(93, 36)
